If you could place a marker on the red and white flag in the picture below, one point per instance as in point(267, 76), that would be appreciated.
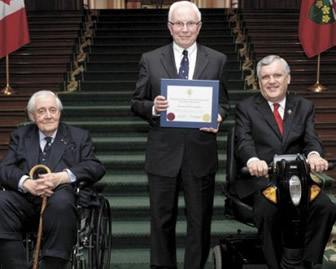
point(13, 26)
point(317, 27)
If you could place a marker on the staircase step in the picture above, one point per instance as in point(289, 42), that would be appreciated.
point(134, 161)
point(127, 183)
point(110, 127)
point(131, 144)
point(129, 85)
point(126, 62)
point(136, 207)
point(139, 259)
point(110, 30)
point(96, 97)
point(136, 234)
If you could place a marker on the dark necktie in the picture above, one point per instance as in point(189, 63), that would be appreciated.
point(46, 148)
point(278, 117)
point(47, 145)
point(184, 67)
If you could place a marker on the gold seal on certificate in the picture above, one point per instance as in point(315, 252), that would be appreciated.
point(192, 103)
point(206, 117)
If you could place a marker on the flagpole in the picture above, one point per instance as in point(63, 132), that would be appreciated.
point(317, 87)
point(7, 90)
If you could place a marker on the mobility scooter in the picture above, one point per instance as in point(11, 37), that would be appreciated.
point(292, 187)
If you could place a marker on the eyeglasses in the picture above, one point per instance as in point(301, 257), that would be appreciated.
point(189, 24)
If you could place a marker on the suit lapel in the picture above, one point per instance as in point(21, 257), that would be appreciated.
point(202, 62)
point(32, 144)
point(58, 148)
point(264, 109)
point(288, 115)
point(168, 61)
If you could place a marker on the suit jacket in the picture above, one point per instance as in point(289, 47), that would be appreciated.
point(72, 149)
point(167, 146)
point(257, 134)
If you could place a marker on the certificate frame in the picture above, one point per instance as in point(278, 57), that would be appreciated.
point(209, 119)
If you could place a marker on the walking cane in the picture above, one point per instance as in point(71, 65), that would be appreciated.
point(44, 203)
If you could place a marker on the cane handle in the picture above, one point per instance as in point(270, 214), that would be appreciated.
point(38, 166)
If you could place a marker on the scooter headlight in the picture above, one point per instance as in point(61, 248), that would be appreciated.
point(295, 189)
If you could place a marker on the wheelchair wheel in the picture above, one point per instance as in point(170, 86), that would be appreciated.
point(82, 256)
point(103, 236)
point(94, 239)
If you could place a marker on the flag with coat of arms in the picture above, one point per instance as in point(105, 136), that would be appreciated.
point(13, 26)
point(317, 26)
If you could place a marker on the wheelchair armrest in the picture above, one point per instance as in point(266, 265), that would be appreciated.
point(82, 184)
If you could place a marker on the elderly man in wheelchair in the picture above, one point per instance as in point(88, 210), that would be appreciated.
point(257, 140)
point(67, 159)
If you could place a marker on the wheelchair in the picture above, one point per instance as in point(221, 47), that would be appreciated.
point(94, 232)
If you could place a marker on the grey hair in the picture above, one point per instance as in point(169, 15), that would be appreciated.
point(181, 4)
point(43, 93)
point(270, 59)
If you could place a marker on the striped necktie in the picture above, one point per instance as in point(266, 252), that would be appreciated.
point(45, 153)
point(47, 145)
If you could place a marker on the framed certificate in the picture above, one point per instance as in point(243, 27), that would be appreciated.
point(192, 103)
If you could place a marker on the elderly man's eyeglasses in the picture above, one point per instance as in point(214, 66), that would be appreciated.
point(189, 24)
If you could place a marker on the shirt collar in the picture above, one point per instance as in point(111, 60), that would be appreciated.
point(178, 50)
point(42, 136)
point(282, 103)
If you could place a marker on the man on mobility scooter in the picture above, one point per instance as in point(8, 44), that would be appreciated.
point(274, 123)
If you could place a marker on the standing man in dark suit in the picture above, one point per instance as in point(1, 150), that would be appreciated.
point(68, 152)
point(180, 157)
point(259, 138)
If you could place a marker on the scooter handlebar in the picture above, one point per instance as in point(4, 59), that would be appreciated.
point(331, 165)
point(245, 172)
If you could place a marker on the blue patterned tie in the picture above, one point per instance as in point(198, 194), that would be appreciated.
point(47, 145)
point(184, 68)
point(45, 153)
